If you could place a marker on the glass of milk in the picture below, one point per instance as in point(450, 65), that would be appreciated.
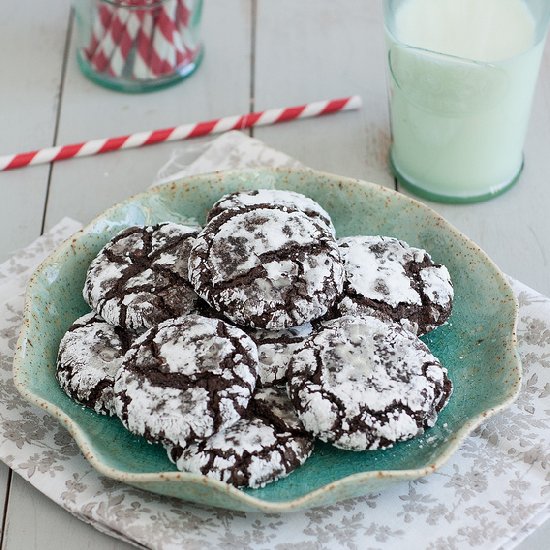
point(461, 76)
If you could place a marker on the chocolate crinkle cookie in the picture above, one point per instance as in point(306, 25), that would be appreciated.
point(186, 379)
point(273, 405)
point(266, 267)
point(90, 354)
point(275, 348)
point(361, 383)
point(395, 280)
point(244, 200)
point(265, 446)
point(140, 277)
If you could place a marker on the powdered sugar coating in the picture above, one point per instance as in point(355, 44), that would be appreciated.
point(140, 277)
point(388, 276)
point(275, 349)
point(90, 354)
point(266, 267)
point(361, 383)
point(250, 453)
point(437, 286)
point(186, 379)
point(274, 197)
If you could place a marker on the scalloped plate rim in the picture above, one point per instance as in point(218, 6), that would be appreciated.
point(307, 500)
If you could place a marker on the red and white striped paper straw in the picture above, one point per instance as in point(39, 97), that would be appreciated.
point(144, 45)
point(163, 54)
point(186, 131)
point(124, 46)
point(101, 23)
point(110, 41)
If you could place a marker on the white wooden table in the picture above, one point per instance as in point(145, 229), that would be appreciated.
point(259, 54)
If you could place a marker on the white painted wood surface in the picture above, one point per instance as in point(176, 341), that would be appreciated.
point(260, 53)
point(312, 50)
point(29, 92)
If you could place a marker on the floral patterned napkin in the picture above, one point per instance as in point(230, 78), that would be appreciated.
point(492, 493)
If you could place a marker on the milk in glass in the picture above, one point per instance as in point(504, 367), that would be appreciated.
point(462, 76)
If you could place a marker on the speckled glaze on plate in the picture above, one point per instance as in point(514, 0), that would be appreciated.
point(478, 345)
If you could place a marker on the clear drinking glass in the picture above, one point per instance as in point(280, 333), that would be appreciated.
point(458, 123)
point(138, 45)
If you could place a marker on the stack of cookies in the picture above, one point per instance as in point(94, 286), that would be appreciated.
point(238, 344)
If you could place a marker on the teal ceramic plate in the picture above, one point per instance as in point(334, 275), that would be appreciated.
point(478, 345)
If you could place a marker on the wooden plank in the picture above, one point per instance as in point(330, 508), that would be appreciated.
point(34, 522)
point(5, 475)
point(321, 49)
point(83, 188)
point(513, 229)
point(29, 90)
point(537, 540)
point(31, 80)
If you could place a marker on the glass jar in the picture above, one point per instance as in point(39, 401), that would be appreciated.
point(138, 45)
